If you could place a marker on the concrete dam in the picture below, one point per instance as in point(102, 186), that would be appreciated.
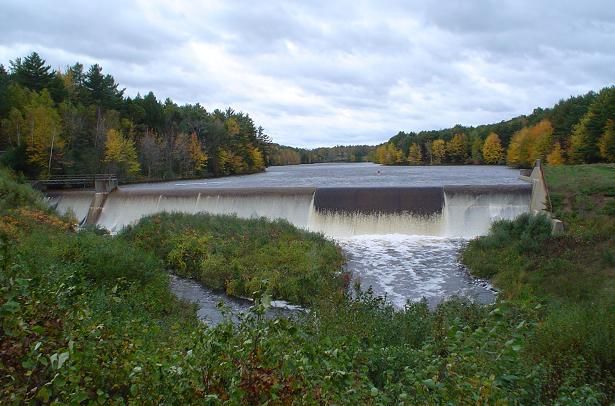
point(443, 211)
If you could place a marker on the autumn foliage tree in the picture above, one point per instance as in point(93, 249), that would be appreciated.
point(415, 157)
point(556, 156)
point(121, 154)
point(197, 155)
point(457, 149)
point(388, 154)
point(43, 140)
point(438, 152)
point(606, 144)
point(529, 144)
point(492, 151)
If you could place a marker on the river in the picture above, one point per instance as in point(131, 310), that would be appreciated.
point(402, 256)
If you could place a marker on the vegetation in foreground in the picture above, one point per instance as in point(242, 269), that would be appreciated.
point(572, 273)
point(90, 318)
point(243, 256)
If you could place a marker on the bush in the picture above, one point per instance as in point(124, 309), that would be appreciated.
point(239, 256)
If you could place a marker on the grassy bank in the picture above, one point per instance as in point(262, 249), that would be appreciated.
point(87, 317)
point(572, 274)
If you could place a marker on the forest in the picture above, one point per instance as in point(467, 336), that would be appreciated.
point(577, 130)
point(285, 155)
point(79, 121)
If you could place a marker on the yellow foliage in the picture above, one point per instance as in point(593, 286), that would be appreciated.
point(197, 155)
point(606, 144)
point(438, 151)
point(556, 156)
point(493, 152)
point(44, 130)
point(120, 152)
point(529, 144)
point(457, 148)
point(415, 157)
point(258, 162)
point(232, 127)
point(388, 154)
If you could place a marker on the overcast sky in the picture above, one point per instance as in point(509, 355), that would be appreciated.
point(321, 73)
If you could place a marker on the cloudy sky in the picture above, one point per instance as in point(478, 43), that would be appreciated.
point(319, 73)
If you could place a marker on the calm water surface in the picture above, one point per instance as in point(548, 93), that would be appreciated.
point(354, 174)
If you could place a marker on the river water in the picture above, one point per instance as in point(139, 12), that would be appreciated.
point(401, 266)
point(405, 257)
point(352, 174)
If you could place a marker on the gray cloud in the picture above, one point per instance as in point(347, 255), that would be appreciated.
point(325, 73)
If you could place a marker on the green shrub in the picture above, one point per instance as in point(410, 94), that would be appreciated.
point(237, 255)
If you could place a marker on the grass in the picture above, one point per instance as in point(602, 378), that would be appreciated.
point(573, 274)
point(90, 318)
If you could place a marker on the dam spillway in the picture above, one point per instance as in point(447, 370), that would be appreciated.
point(400, 228)
point(445, 211)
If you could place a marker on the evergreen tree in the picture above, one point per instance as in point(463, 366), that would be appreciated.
point(477, 148)
point(101, 90)
point(5, 106)
point(32, 72)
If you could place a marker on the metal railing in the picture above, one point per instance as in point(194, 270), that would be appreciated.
point(83, 180)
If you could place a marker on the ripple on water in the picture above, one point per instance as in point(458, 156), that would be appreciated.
point(409, 268)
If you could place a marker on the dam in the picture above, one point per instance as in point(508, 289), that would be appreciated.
point(401, 228)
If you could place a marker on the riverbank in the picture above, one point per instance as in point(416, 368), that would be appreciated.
point(89, 317)
point(571, 274)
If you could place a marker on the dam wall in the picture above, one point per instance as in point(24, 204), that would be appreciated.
point(451, 211)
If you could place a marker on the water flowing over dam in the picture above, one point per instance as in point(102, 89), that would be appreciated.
point(449, 211)
point(400, 237)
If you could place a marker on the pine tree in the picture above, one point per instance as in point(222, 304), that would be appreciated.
point(32, 73)
point(580, 144)
point(493, 152)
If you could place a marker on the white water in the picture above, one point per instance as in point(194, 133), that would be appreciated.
point(403, 256)
point(76, 202)
point(462, 216)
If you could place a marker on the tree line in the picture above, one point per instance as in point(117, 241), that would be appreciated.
point(285, 155)
point(580, 129)
point(78, 120)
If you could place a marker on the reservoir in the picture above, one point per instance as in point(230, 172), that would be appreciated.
point(401, 228)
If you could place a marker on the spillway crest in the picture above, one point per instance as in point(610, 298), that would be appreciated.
point(449, 211)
